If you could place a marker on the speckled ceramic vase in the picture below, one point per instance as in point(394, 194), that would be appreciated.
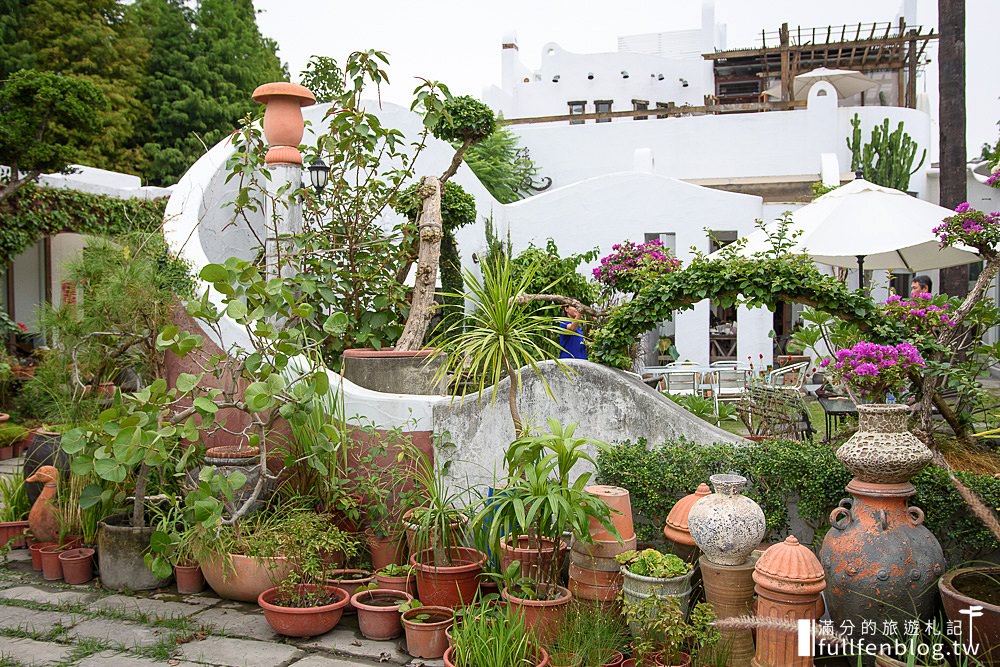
point(883, 451)
point(726, 525)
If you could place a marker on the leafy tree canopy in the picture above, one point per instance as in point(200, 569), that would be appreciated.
point(502, 166)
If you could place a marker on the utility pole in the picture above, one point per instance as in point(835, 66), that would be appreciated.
point(951, 124)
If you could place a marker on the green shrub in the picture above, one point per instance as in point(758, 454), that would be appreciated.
point(781, 471)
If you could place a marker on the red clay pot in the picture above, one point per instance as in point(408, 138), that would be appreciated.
point(407, 584)
point(350, 581)
point(619, 501)
point(384, 551)
point(77, 565)
point(956, 587)
point(535, 561)
point(36, 554)
point(411, 528)
point(590, 577)
point(190, 580)
point(7, 452)
point(448, 585)
point(428, 639)
point(617, 658)
point(380, 622)
point(51, 565)
point(303, 621)
point(248, 577)
point(13, 532)
point(682, 660)
point(543, 657)
point(542, 615)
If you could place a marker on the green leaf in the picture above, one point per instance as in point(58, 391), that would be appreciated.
point(214, 273)
point(186, 382)
point(336, 324)
point(236, 309)
point(205, 405)
point(110, 470)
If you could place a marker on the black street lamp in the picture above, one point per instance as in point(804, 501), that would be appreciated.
point(319, 174)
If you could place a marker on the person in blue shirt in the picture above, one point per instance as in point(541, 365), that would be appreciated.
point(572, 342)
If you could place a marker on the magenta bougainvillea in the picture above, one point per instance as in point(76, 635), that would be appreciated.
point(994, 180)
point(630, 262)
point(971, 227)
point(921, 312)
point(872, 370)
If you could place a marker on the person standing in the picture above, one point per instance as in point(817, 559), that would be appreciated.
point(572, 342)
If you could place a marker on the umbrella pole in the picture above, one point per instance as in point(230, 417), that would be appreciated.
point(861, 271)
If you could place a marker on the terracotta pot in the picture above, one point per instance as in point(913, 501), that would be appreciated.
point(247, 578)
point(283, 125)
point(448, 585)
point(51, 565)
point(543, 657)
point(77, 565)
point(407, 583)
point(616, 660)
point(592, 593)
point(542, 615)
point(729, 589)
point(190, 580)
point(427, 639)
point(630, 662)
point(415, 544)
point(384, 551)
point(565, 661)
point(620, 503)
point(488, 587)
point(980, 586)
point(378, 613)
point(4, 417)
point(726, 525)
point(12, 532)
point(351, 581)
point(536, 562)
point(35, 548)
point(601, 549)
point(303, 621)
point(676, 529)
point(602, 578)
point(7, 452)
point(680, 660)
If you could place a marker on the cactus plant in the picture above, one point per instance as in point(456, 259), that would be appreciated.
point(887, 159)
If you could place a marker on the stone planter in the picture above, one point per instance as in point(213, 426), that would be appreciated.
point(726, 525)
point(395, 371)
point(120, 552)
point(636, 587)
point(883, 451)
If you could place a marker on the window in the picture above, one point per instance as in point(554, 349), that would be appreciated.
point(575, 109)
point(603, 106)
point(640, 105)
point(664, 105)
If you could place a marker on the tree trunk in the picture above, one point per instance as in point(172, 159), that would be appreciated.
point(430, 230)
point(951, 124)
point(515, 414)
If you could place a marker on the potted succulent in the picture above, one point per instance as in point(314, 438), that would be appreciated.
point(426, 628)
point(651, 573)
point(493, 636)
point(379, 612)
point(397, 578)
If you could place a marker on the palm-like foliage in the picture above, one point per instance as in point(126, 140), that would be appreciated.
point(500, 337)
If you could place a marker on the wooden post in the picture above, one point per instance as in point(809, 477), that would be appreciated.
point(901, 71)
point(787, 92)
point(911, 79)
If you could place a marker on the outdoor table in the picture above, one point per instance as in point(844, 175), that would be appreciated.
point(836, 410)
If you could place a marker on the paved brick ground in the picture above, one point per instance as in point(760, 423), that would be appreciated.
point(44, 623)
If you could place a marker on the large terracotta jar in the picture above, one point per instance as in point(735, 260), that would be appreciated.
point(883, 450)
point(726, 525)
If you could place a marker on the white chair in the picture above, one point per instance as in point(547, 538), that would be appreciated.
point(686, 363)
point(725, 364)
point(731, 382)
point(681, 382)
point(789, 377)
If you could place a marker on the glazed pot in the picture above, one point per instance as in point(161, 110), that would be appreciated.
point(428, 638)
point(246, 578)
point(883, 451)
point(35, 549)
point(406, 583)
point(350, 581)
point(543, 657)
point(303, 621)
point(120, 552)
point(389, 550)
point(378, 613)
point(726, 525)
point(190, 580)
point(619, 501)
point(51, 565)
point(636, 587)
point(966, 587)
point(448, 585)
point(544, 616)
point(77, 565)
point(536, 562)
point(12, 532)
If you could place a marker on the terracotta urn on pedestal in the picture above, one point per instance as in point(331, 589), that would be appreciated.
point(283, 125)
point(676, 529)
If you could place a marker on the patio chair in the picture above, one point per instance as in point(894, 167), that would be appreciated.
point(686, 363)
point(681, 382)
point(789, 377)
point(774, 411)
point(730, 382)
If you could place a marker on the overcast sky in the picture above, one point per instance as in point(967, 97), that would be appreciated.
point(458, 41)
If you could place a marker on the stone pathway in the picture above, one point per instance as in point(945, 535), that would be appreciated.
point(50, 623)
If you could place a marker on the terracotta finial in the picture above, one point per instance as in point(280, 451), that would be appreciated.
point(42, 518)
point(676, 530)
point(283, 124)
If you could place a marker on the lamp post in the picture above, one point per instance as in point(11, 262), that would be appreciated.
point(319, 174)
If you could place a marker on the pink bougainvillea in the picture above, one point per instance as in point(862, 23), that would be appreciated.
point(631, 261)
point(873, 370)
point(923, 313)
point(971, 227)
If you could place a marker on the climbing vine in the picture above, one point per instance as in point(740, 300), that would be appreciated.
point(33, 212)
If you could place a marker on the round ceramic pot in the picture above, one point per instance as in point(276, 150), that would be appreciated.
point(51, 565)
point(426, 631)
point(676, 529)
point(883, 451)
point(303, 621)
point(190, 580)
point(636, 587)
point(593, 593)
point(246, 578)
point(595, 577)
point(389, 550)
point(542, 658)
point(350, 580)
point(77, 565)
point(536, 561)
point(544, 616)
point(378, 613)
point(450, 585)
point(975, 586)
point(407, 583)
point(726, 525)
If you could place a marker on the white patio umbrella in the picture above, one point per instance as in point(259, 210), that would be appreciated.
point(867, 226)
point(847, 82)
